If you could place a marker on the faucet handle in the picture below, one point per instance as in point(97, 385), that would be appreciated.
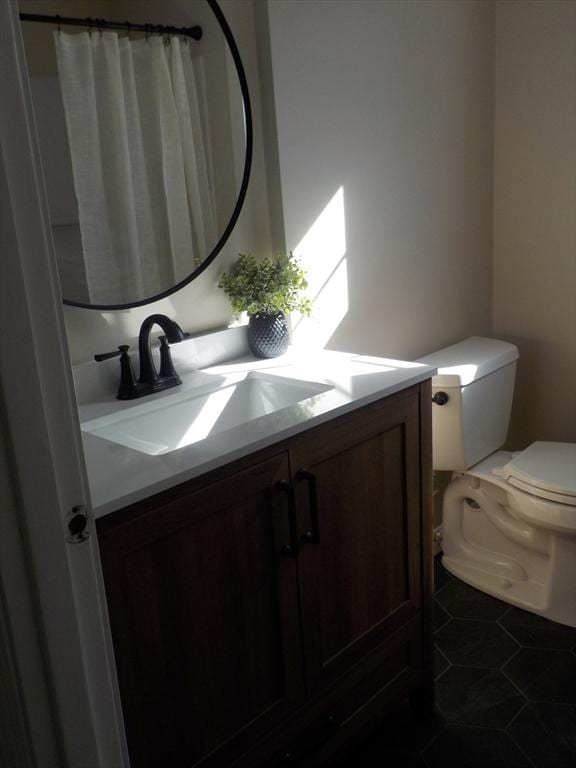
point(166, 365)
point(107, 355)
point(128, 388)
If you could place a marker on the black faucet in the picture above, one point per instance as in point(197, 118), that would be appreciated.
point(167, 377)
point(150, 380)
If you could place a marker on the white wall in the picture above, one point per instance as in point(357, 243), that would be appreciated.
point(392, 104)
point(535, 212)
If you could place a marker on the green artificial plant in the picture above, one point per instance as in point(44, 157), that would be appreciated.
point(266, 286)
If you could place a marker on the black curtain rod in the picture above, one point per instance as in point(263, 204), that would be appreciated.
point(150, 29)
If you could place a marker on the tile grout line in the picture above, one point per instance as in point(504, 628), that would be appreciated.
point(522, 708)
point(478, 621)
point(510, 659)
point(511, 736)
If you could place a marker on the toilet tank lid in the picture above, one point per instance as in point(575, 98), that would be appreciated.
point(469, 360)
point(545, 466)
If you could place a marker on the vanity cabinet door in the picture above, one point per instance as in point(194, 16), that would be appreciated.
point(204, 616)
point(357, 482)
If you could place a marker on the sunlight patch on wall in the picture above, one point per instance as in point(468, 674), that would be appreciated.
point(322, 252)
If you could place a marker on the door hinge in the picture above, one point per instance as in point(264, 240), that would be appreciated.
point(77, 525)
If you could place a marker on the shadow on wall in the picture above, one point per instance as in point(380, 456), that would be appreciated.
point(322, 252)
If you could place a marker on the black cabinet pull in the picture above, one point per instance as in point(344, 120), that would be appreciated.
point(291, 549)
point(313, 535)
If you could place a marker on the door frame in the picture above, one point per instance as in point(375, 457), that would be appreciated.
point(77, 721)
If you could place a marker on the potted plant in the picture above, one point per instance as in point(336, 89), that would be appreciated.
point(267, 290)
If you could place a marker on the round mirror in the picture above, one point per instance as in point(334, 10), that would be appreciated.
point(145, 131)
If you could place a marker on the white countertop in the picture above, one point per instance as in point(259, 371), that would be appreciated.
point(119, 476)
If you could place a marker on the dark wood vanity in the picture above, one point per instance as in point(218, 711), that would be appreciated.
point(267, 612)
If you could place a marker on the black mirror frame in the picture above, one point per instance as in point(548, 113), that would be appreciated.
point(241, 194)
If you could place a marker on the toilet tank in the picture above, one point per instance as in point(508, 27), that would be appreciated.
point(478, 376)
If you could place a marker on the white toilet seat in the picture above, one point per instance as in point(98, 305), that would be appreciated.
point(544, 469)
point(538, 506)
point(542, 493)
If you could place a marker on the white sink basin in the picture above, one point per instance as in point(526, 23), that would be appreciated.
point(175, 421)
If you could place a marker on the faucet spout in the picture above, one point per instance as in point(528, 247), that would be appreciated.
point(148, 373)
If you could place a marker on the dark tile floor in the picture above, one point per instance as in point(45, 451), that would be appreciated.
point(505, 691)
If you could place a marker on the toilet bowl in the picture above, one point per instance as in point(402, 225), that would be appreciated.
point(516, 545)
point(509, 519)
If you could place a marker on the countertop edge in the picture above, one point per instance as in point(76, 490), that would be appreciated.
point(416, 376)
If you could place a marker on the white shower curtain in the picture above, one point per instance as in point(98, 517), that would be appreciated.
point(139, 159)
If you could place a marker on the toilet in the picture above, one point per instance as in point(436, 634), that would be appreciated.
point(509, 519)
